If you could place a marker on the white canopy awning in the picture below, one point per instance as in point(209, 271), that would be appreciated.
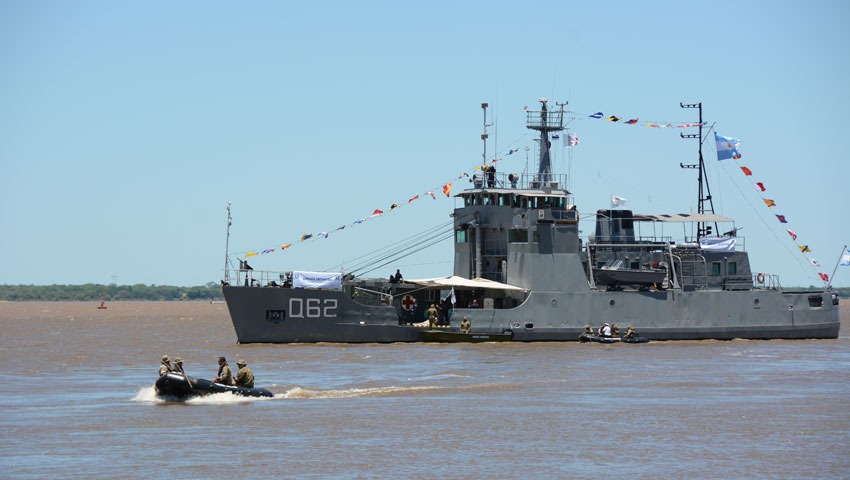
point(460, 282)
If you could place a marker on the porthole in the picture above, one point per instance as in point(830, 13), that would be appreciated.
point(611, 302)
point(554, 303)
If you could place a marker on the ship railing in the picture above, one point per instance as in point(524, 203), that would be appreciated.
point(765, 281)
point(365, 296)
point(639, 247)
point(266, 278)
point(510, 180)
point(259, 278)
point(554, 119)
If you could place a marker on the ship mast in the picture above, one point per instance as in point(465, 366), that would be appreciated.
point(484, 134)
point(545, 122)
point(227, 246)
point(704, 201)
point(475, 221)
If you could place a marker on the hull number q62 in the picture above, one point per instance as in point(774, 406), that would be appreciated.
point(312, 308)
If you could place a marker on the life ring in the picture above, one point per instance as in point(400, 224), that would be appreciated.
point(760, 278)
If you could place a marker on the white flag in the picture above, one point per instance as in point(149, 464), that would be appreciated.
point(845, 259)
point(570, 140)
point(617, 201)
point(454, 300)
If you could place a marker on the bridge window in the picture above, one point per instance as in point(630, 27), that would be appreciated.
point(517, 235)
point(460, 236)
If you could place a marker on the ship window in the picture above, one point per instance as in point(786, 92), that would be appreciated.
point(460, 236)
point(517, 235)
point(715, 268)
point(731, 268)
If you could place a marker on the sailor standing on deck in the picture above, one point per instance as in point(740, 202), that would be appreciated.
point(432, 316)
point(224, 375)
point(165, 365)
point(244, 377)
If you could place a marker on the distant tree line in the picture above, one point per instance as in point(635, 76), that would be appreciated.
point(97, 292)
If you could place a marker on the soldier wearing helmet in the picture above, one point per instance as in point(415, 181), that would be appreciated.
point(165, 365)
point(244, 377)
point(178, 365)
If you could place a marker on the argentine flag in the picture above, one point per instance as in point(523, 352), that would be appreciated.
point(727, 147)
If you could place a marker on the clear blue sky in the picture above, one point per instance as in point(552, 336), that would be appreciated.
point(126, 127)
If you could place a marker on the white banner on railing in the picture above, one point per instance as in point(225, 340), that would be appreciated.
point(718, 244)
point(316, 280)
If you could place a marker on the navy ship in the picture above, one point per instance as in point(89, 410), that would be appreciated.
point(522, 271)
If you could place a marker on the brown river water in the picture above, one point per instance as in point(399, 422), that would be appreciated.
point(78, 402)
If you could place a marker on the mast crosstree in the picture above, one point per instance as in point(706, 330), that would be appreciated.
point(545, 122)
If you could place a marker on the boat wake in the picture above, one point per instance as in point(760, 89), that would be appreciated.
point(304, 393)
point(391, 391)
point(148, 394)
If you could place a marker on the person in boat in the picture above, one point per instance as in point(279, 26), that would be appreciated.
point(165, 365)
point(178, 365)
point(432, 316)
point(605, 330)
point(588, 330)
point(630, 332)
point(615, 330)
point(224, 375)
point(465, 326)
point(244, 377)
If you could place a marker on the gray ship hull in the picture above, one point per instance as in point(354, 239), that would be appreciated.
point(283, 315)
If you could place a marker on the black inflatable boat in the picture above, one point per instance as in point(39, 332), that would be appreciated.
point(180, 387)
point(584, 338)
